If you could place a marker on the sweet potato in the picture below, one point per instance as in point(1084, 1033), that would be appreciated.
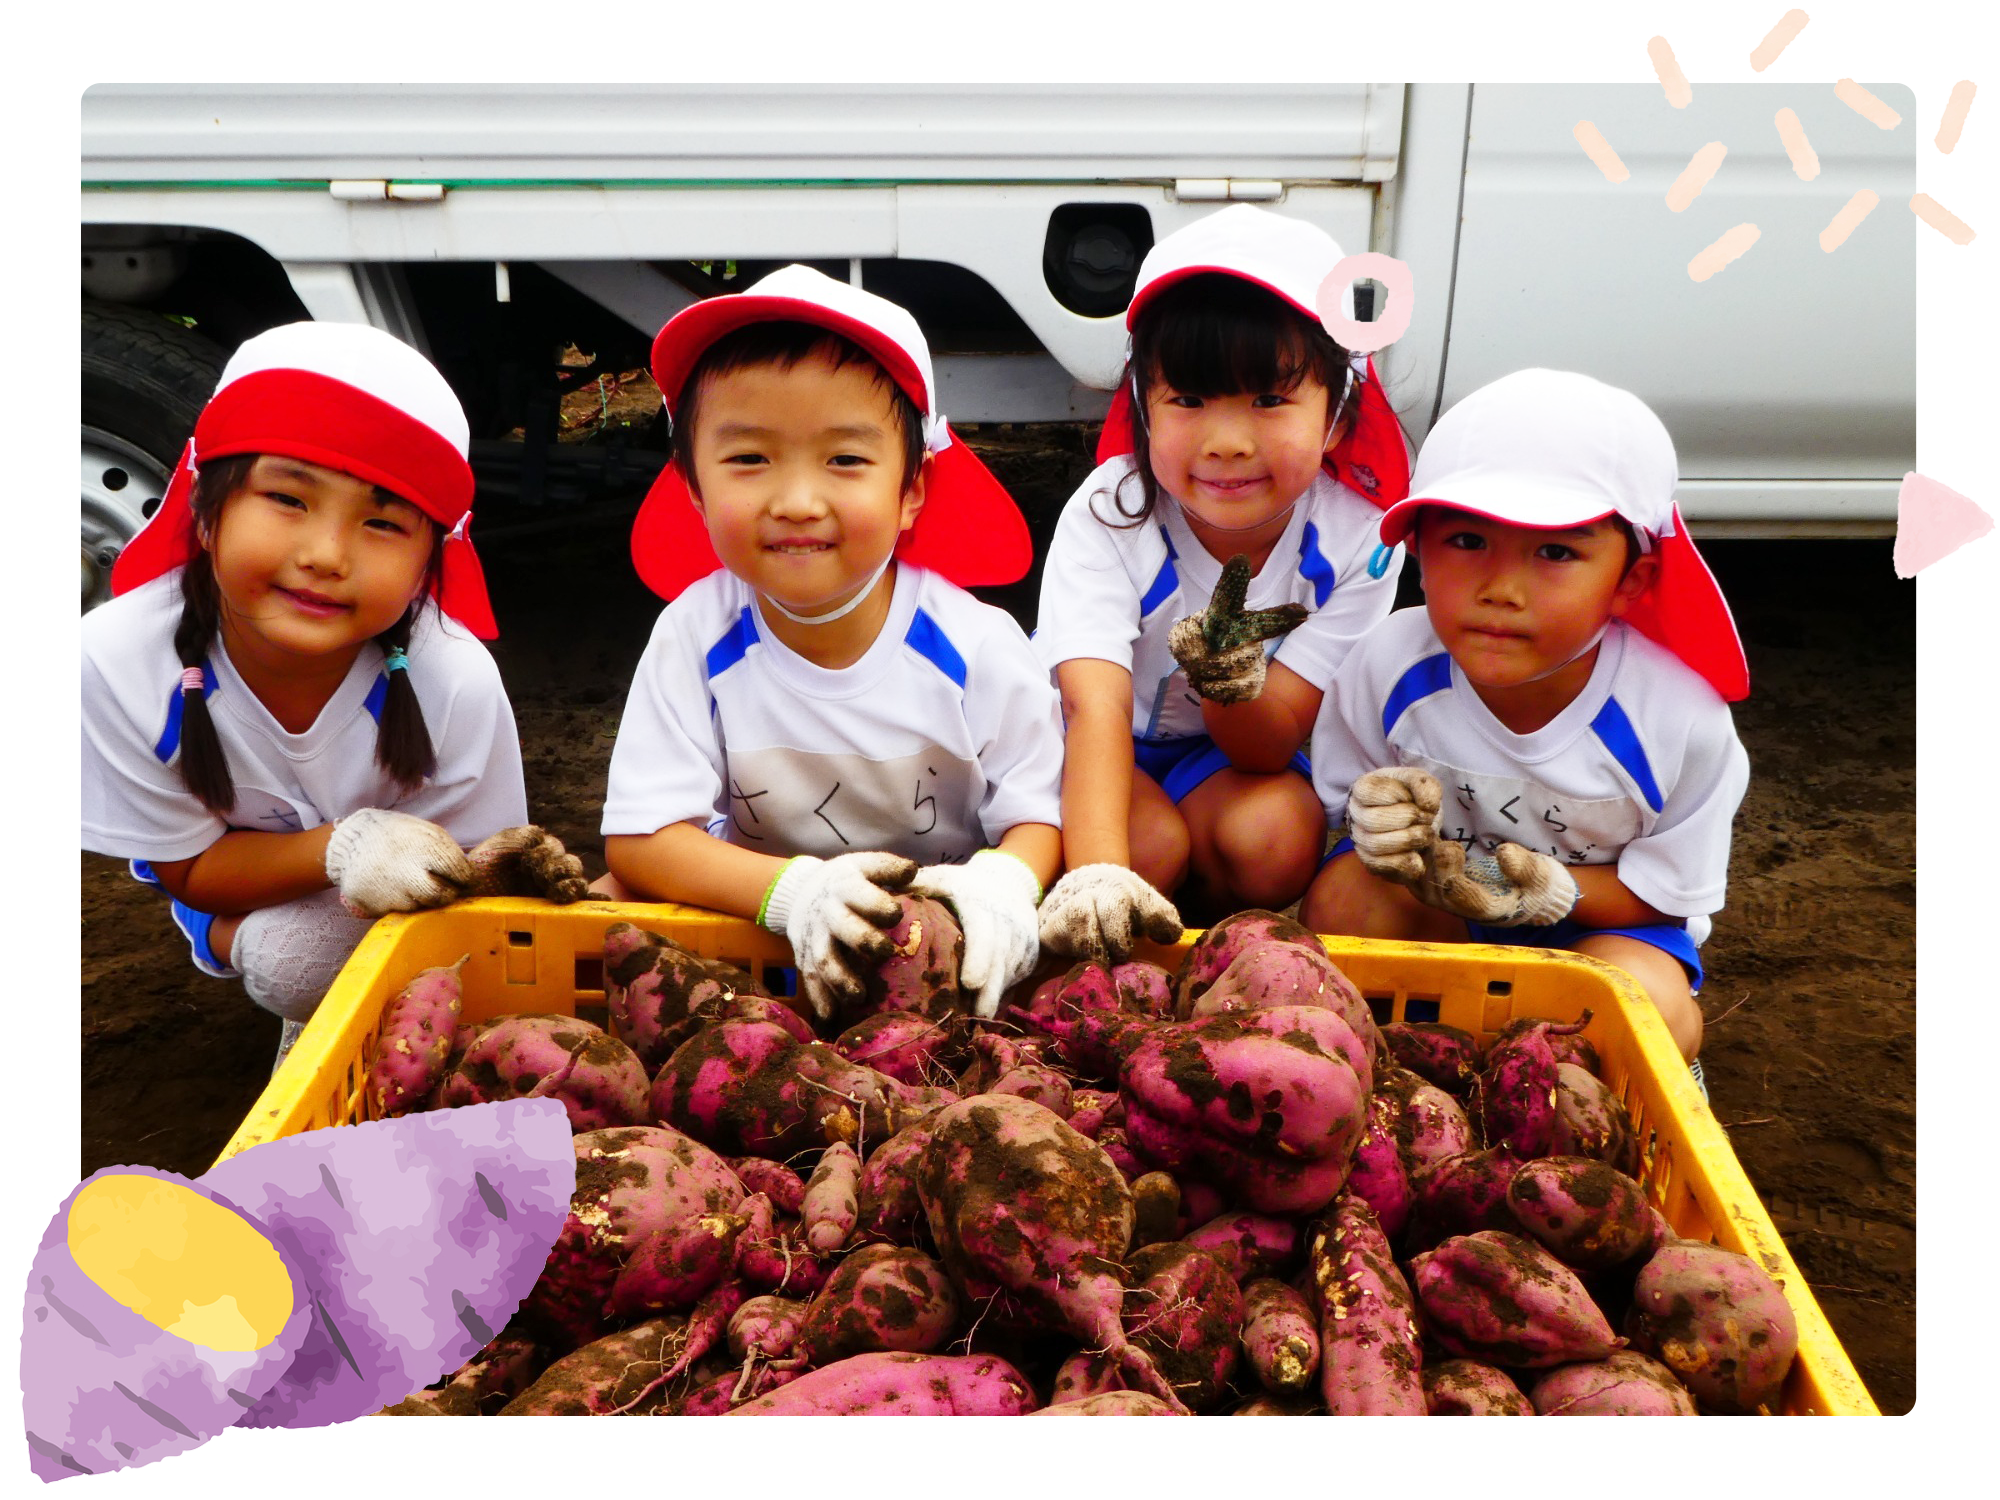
point(1032, 1219)
point(1274, 1183)
point(500, 1371)
point(1442, 1055)
point(416, 1034)
point(1622, 1384)
point(1251, 1245)
point(776, 1181)
point(1592, 1121)
point(1156, 1209)
point(1144, 989)
point(1184, 1308)
point(599, 1079)
point(1264, 1404)
point(1467, 1388)
point(1502, 1299)
point(654, 987)
point(1092, 1109)
point(887, 1205)
point(772, 1256)
point(1378, 1175)
point(1590, 1214)
point(1429, 1125)
point(1517, 1088)
point(921, 973)
point(1040, 1083)
point(1371, 1356)
point(673, 1270)
point(1569, 1046)
point(1460, 1195)
point(1718, 1321)
point(826, 1215)
point(605, 1375)
point(894, 1384)
point(1084, 1373)
point(1267, 973)
point(1109, 1404)
point(1217, 948)
point(1280, 1336)
point(908, 1046)
point(880, 1297)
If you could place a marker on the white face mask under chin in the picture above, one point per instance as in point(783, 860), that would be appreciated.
point(839, 611)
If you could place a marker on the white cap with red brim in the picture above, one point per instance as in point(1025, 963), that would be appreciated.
point(1550, 449)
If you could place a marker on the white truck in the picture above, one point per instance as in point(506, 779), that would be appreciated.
point(497, 227)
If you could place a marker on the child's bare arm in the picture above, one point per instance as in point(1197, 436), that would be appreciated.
point(1038, 846)
point(1606, 901)
point(1262, 733)
point(246, 870)
point(686, 863)
point(1097, 762)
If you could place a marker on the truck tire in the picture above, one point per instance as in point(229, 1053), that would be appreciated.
point(145, 379)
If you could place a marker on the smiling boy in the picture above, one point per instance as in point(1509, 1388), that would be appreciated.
point(1543, 754)
point(823, 709)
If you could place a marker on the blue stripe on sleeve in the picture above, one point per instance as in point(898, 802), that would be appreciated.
point(1164, 582)
point(928, 640)
point(1431, 675)
point(1622, 740)
point(734, 644)
point(170, 737)
point(1314, 567)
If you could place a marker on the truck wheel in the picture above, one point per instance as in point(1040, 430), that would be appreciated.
point(145, 379)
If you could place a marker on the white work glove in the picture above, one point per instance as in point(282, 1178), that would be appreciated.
point(1392, 816)
point(383, 861)
point(994, 896)
point(1512, 887)
point(1095, 911)
point(1222, 648)
point(833, 911)
point(526, 861)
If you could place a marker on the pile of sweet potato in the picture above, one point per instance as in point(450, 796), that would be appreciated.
point(1222, 1190)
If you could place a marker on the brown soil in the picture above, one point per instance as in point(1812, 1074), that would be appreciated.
point(1810, 1057)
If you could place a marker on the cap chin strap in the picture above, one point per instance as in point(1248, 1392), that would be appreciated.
point(839, 610)
point(1585, 649)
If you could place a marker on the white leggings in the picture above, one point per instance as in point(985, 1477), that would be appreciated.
point(288, 955)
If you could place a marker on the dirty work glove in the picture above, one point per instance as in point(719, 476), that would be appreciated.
point(994, 895)
point(1095, 911)
point(833, 912)
point(383, 861)
point(526, 861)
point(1512, 887)
point(1392, 816)
point(1222, 648)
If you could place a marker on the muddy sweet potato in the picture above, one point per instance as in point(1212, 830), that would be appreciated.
point(1569, 1046)
point(826, 1213)
point(1517, 1088)
point(1144, 989)
point(1217, 948)
point(606, 1375)
point(893, 1384)
point(1718, 1321)
point(1371, 1356)
point(880, 1297)
point(920, 974)
point(776, 1181)
point(1460, 1195)
point(1184, 1308)
point(599, 1079)
point(772, 1255)
point(1590, 1214)
point(910, 1047)
point(1109, 1404)
point(1280, 1336)
point(1271, 973)
point(887, 1205)
point(673, 1270)
point(1502, 1299)
point(1084, 1373)
point(416, 1036)
point(1622, 1384)
point(1379, 1175)
point(1467, 1388)
point(480, 1387)
point(1445, 1056)
point(1427, 1123)
point(1250, 1244)
point(659, 992)
point(1592, 1121)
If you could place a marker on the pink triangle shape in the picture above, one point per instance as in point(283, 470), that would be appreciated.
point(1933, 521)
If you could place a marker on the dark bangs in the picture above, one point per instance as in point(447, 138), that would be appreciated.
point(1216, 335)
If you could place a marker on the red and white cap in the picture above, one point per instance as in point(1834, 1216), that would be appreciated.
point(347, 397)
point(970, 531)
point(1290, 259)
point(1550, 449)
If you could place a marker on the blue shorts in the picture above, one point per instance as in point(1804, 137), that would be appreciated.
point(1669, 937)
point(1181, 765)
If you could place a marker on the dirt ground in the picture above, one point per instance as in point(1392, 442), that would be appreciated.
point(1810, 1003)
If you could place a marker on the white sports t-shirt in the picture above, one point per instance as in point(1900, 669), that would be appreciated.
point(136, 806)
point(1643, 770)
point(944, 735)
point(1112, 591)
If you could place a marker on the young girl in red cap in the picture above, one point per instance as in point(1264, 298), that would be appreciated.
point(287, 721)
point(1207, 578)
point(1543, 754)
point(823, 715)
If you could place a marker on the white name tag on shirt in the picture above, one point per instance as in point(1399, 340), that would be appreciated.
point(1483, 811)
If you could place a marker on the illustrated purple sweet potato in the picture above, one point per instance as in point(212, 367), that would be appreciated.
point(1280, 1336)
point(630, 1184)
point(656, 989)
point(921, 973)
point(1517, 1088)
point(1145, 989)
point(1429, 1124)
point(1371, 1356)
point(1109, 1404)
point(1590, 1214)
point(1569, 1046)
point(599, 1079)
point(1378, 1175)
point(1718, 1321)
point(752, 1088)
point(895, 1384)
point(673, 1270)
point(1592, 1121)
point(880, 1297)
point(887, 1205)
point(907, 1045)
point(776, 1181)
point(1217, 948)
point(1502, 1299)
point(610, 1374)
point(1184, 1308)
point(1249, 1244)
point(416, 1033)
point(1467, 1388)
point(476, 1197)
point(1267, 973)
point(826, 1215)
point(1622, 1384)
point(483, 1384)
point(1460, 1195)
point(1445, 1056)
point(156, 1311)
point(1033, 1219)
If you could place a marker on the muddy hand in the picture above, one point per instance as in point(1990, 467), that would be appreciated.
point(1222, 648)
point(526, 861)
point(1512, 887)
point(383, 861)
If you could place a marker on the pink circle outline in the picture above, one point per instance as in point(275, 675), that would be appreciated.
point(1390, 324)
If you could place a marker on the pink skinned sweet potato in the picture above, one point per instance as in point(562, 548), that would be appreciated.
point(772, 1256)
point(1378, 1175)
point(1184, 1308)
point(462, 1036)
point(1429, 1124)
point(1200, 1202)
point(1502, 1299)
point(654, 987)
point(1718, 1321)
point(1145, 989)
point(1032, 1219)
point(1251, 1245)
point(1371, 1357)
point(1109, 1404)
point(921, 973)
point(880, 1297)
point(1517, 1088)
point(1460, 1195)
point(1038, 1082)
point(776, 1181)
point(1589, 1213)
point(826, 1215)
point(1569, 1046)
point(1280, 1336)
point(1111, 1139)
point(766, 1328)
point(1622, 1384)
point(673, 1270)
point(415, 1041)
point(1274, 1183)
point(1217, 948)
point(1592, 1121)
point(1267, 974)
point(887, 1206)
point(908, 1046)
point(483, 1384)
point(605, 1375)
point(1092, 1109)
point(1467, 1388)
point(599, 1079)
point(897, 1384)
point(1445, 1056)
point(1084, 1373)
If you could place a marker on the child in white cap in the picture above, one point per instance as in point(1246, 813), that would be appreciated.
point(1543, 753)
point(1207, 578)
point(287, 721)
point(823, 715)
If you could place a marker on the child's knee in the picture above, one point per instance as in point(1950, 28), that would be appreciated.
point(1269, 842)
point(1664, 981)
point(1158, 840)
point(1345, 899)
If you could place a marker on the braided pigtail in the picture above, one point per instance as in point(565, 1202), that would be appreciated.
point(203, 766)
point(402, 740)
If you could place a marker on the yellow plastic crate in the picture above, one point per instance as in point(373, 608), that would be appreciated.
point(527, 955)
